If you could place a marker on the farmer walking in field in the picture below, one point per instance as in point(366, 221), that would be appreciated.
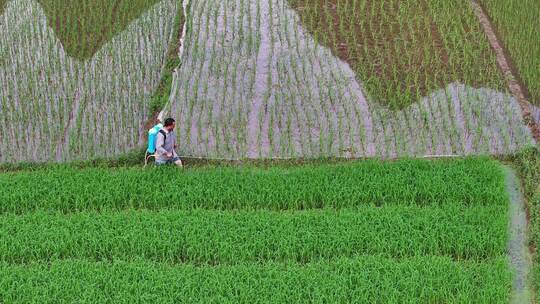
point(166, 145)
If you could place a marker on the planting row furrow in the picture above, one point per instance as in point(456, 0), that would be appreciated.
point(347, 185)
point(212, 120)
point(422, 279)
point(223, 237)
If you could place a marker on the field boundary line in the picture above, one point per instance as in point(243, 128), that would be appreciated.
point(518, 251)
point(261, 87)
point(426, 156)
point(504, 63)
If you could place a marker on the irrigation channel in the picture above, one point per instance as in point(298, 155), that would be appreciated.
point(520, 257)
point(185, 5)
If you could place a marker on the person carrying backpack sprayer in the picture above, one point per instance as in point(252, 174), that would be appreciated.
point(166, 145)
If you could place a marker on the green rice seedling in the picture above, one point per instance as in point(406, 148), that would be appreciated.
point(394, 46)
point(224, 237)
point(348, 185)
point(85, 27)
point(517, 23)
point(423, 279)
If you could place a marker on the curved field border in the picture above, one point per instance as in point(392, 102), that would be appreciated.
point(401, 50)
point(88, 26)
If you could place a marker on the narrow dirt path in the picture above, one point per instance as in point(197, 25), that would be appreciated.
point(504, 63)
point(520, 257)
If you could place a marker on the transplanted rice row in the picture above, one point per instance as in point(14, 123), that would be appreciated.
point(348, 185)
point(223, 237)
point(412, 280)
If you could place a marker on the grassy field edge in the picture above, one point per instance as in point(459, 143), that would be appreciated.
point(528, 166)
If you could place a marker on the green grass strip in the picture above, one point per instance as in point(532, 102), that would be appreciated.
point(408, 182)
point(373, 279)
point(224, 237)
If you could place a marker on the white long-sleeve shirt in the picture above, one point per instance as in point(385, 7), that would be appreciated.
point(165, 146)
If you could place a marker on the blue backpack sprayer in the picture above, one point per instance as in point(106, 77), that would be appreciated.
point(151, 148)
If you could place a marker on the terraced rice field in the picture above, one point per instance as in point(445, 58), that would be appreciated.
point(270, 79)
point(517, 25)
point(273, 79)
point(389, 232)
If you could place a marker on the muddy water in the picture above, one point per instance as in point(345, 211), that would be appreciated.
point(520, 258)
